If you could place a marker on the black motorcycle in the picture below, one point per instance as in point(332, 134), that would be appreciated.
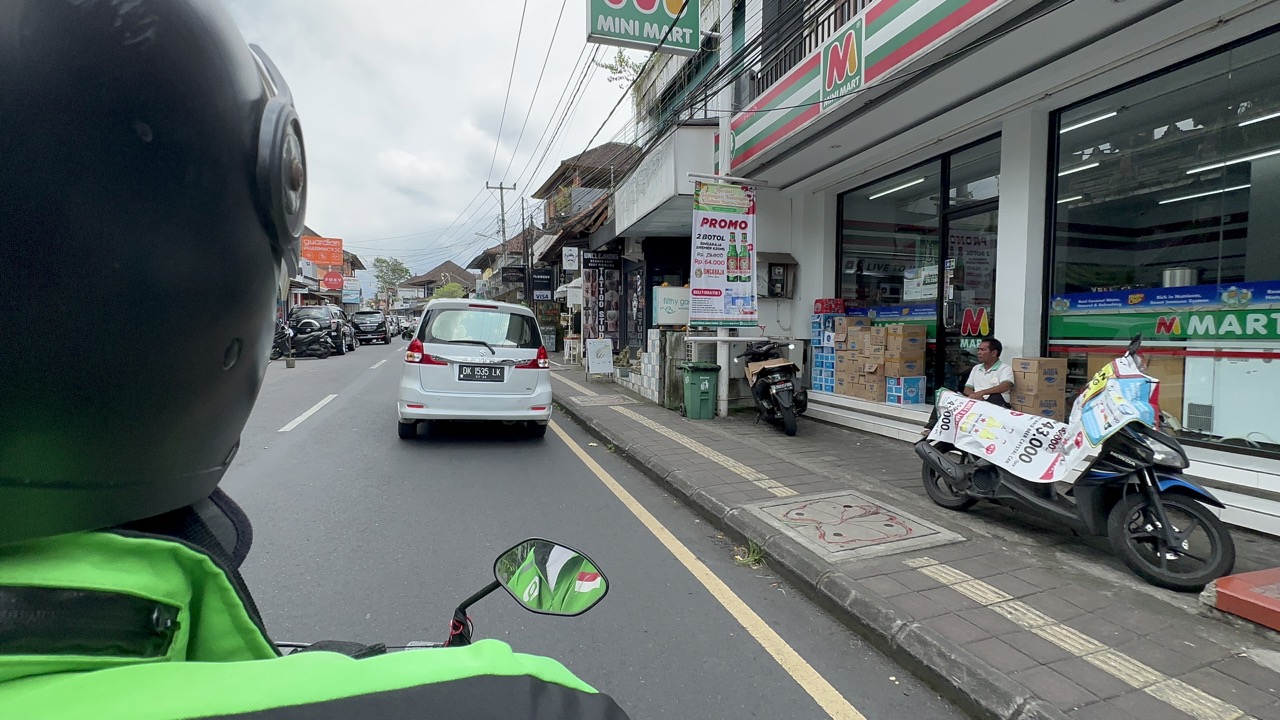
point(1135, 492)
point(772, 380)
point(309, 341)
point(545, 577)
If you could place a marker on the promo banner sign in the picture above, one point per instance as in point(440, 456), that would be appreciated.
point(642, 25)
point(722, 290)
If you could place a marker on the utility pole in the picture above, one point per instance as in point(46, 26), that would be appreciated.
point(528, 255)
point(502, 219)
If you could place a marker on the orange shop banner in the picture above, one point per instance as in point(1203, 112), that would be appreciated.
point(322, 250)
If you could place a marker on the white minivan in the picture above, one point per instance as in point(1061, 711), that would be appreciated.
point(475, 360)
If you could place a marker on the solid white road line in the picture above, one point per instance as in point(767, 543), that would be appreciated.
point(303, 417)
point(379, 364)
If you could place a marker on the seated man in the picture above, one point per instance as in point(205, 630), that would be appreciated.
point(992, 378)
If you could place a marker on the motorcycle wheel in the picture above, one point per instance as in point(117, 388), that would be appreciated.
point(1199, 558)
point(788, 420)
point(324, 351)
point(275, 353)
point(941, 492)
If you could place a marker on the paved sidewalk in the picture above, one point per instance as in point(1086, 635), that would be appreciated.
point(1016, 620)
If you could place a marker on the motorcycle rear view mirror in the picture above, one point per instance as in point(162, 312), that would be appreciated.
point(550, 579)
point(1135, 345)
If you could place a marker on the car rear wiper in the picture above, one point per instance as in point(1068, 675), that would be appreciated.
point(474, 342)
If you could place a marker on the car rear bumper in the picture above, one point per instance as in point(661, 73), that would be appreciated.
point(444, 406)
point(373, 335)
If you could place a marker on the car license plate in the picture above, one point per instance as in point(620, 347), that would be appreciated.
point(481, 373)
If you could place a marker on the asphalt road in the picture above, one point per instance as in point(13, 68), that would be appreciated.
point(362, 536)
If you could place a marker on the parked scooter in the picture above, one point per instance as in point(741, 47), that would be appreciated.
point(772, 381)
point(309, 341)
point(1110, 471)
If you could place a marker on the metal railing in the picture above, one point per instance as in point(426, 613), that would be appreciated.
point(788, 50)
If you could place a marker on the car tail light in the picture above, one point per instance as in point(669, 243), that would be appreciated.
point(541, 362)
point(415, 354)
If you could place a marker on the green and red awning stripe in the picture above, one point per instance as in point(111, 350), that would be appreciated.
point(799, 76)
point(930, 28)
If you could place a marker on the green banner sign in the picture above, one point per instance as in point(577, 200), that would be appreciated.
point(1219, 325)
point(642, 25)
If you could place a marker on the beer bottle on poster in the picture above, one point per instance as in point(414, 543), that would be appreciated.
point(731, 256)
point(744, 261)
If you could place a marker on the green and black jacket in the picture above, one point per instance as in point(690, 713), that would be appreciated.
point(109, 625)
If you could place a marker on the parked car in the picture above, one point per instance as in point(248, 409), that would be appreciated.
point(332, 319)
point(471, 360)
point(371, 325)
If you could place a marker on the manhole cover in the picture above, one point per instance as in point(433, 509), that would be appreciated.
point(847, 526)
point(594, 400)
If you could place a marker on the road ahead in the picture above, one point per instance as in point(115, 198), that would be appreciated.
point(362, 536)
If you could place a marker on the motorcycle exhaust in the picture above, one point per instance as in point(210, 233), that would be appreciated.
point(958, 477)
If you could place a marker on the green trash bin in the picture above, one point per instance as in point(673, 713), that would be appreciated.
point(700, 390)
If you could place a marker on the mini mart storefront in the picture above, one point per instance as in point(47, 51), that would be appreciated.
point(1062, 202)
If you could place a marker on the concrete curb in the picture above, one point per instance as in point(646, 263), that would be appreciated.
point(946, 666)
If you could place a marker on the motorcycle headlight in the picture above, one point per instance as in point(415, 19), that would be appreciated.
point(1165, 455)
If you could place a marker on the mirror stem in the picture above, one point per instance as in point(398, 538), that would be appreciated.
point(478, 596)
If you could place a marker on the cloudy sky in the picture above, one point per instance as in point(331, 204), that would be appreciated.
point(401, 103)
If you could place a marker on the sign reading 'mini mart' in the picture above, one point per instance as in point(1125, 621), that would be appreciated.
point(642, 24)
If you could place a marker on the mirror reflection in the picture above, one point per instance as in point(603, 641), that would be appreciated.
point(549, 578)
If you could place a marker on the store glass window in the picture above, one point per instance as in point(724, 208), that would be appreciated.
point(1167, 223)
point(889, 240)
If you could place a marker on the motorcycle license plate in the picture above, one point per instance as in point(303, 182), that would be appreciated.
point(783, 386)
point(482, 373)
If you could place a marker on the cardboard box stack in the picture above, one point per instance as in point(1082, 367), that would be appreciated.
point(822, 335)
point(904, 364)
point(831, 347)
point(865, 378)
point(1039, 387)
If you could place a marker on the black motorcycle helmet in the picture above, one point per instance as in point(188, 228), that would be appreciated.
point(152, 192)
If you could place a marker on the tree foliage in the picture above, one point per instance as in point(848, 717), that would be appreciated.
point(389, 272)
point(450, 290)
point(623, 69)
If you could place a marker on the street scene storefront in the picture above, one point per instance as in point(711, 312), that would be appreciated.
point(992, 168)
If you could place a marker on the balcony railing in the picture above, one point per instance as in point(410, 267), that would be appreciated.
point(792, 42)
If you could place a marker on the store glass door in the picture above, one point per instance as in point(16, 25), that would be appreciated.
point(968, 292)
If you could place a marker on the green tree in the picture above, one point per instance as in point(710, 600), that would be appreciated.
point(450, 290)
point(389, 272)
point(622, 68)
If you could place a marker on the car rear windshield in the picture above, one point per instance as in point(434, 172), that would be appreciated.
point(471, 325)
point(368, 316)
point(311, 312)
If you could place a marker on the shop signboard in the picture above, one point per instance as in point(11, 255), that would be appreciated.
point(842, 64)
point(333, 280)
point(1258, 324)
point(599, 356)
point(513, 275)
point(667, 26)
point(723, 287)
point(1238, 295)
point(322, 250)
point(350, 290)
point(1241, 311)
point(543, 283)
point(574, 297)
point(601, 296)
point(569, 259)
point(671, 306)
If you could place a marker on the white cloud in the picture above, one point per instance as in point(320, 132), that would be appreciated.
point(400, 103)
